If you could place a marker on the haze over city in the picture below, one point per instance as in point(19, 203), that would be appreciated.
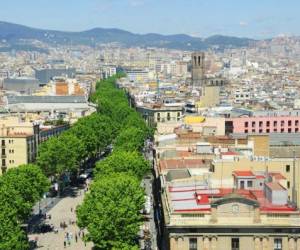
point(253, 19)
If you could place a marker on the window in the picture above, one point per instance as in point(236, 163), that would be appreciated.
point(282, 123)
point(253, 130)
point(3, 143)
point(260, 131)
point(275, 123)
point(3, 163)
point(268, 130)
point(193, 244)
point(250, 184)
point(275, 130)
point(288, 184)
point(242, 183)
point(253, 124)
point(260, 124)
point(235, 244)
point(178, 113)
point(168, 116)
point(282, 130)
point(246, 131)
point(158, 117)
point(289, 123)
point(296, 129)
point(287, 168)
point(3, 151)
point(268, 123)
point(277, 244)
point(246, 124)
point(297, 123)
point(289, 130)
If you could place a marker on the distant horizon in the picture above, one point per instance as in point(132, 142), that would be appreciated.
point(137, 33)
point(256, 19)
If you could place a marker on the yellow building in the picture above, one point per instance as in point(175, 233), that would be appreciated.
point(210, 96)
point(19, 140)
point(17, 149)
point(222, 171)
point(199, 217)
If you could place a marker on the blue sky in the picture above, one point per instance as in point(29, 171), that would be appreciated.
point(250, 18)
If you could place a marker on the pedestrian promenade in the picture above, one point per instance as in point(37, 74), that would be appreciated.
point(63, 212)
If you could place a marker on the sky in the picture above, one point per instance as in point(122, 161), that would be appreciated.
point(201, 18)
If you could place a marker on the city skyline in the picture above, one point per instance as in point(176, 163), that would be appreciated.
point(251, 19)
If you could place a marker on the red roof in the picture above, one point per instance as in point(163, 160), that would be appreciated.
point(246, 173)
point(277, 176)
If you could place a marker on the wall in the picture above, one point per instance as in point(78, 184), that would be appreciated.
point(239, 124)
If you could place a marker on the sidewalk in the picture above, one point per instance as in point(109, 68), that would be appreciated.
point(61, 212)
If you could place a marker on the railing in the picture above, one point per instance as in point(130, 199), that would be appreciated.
point(205, 219)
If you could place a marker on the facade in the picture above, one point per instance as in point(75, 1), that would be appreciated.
point(21, 84)
point(197, 216)
point(72, 107)
point(17, 149)
point(19, 140)
point(210, 96)
point(138, 75)
point(45, 75)
point(263, 124)
point(160, 113)
point(242, 96)
point(198, 68)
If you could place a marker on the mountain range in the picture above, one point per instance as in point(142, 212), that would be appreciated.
point(14, 33)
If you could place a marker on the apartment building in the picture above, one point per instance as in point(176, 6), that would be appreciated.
point(20, 139)
point(263, 124)
point(258, 216)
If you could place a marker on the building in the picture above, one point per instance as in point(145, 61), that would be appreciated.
point(25, 85)
point(19, 140)
point(197, 216)
point(72, 107)
point(263, 124)
point(160, 113)
point(45, 75)
point(198, 68)
point(242, 95)
point(138, 75)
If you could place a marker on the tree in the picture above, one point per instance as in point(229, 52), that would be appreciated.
point(23, 187)
point(111, 211)
point(123, 162)
point(12, 237)
point(20, 189)
point(130, 139)
point(60, 154)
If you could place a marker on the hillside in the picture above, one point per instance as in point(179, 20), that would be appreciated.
point(12, 33)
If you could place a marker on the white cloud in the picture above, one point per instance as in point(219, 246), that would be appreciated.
point(243, 23)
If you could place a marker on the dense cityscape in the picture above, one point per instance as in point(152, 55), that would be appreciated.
point(113, 140)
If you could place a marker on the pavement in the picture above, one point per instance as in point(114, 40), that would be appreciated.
point(150, 244)
point(61, 210)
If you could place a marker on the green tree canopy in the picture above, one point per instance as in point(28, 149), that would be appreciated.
point(111, 211)
point(60, 154)
point(12, 237)
point(21, 188)
point(130, 139)
point(130, 162)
